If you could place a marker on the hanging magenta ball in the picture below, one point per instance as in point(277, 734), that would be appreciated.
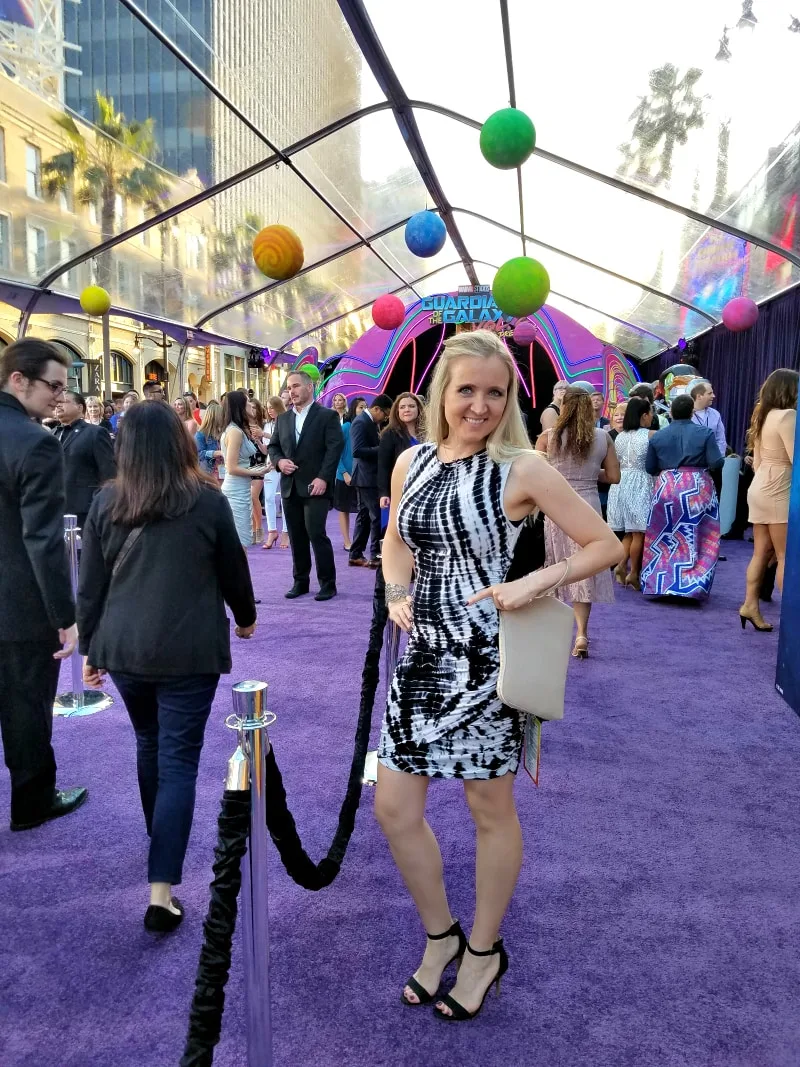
point(525, 332)
point(520, 287)
point(388, 312)
point(508, 137)
point(426, 234)
point(740, 314)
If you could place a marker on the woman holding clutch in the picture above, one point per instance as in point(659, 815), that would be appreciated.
point(457, 504)
point(239, 448)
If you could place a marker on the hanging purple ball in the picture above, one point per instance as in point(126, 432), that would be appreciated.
point(740, 314)
point(525, 332)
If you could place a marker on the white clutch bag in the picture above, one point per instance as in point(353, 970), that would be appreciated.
point(535, 646)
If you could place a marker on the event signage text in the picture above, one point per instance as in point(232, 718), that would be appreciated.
point(474, 304)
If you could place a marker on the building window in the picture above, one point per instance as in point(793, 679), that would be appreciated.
point(92, 272)
point(121, 370)
point(120, 213)
point(5, 242)
point(123, 277)
point(33, 171)
point(67, 198)
point(2, 155)
point(193, 251)
point(37, 249)
point(68, 251)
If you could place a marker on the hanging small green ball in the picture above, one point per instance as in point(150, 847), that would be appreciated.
point(508, 137)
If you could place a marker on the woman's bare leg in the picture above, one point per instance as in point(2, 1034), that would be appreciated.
point(637, 550)
point(400, 810)
point(777, 533)
point(582, 612)
point(344, 526)
point(497, 864)
point(756, 568)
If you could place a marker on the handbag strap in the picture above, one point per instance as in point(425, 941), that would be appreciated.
point(127, 545)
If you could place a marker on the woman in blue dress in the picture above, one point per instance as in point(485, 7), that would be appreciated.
point(457, 506)
point(345, 495)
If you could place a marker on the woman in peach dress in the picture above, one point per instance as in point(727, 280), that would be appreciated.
point(771, 437)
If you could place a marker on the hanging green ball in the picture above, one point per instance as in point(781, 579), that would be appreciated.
point(507, 138)
point(520, 287)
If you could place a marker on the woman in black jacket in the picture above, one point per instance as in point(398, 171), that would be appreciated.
point(161, 558)
point(404, 429)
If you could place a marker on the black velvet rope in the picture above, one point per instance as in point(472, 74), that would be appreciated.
point(280, 822)
point(208, 1002)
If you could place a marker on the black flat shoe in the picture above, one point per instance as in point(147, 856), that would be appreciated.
point(419, 990)
point(296, 591)
point(327, 592)
point(64, 801)
point(158, 920)
point(460, 1014)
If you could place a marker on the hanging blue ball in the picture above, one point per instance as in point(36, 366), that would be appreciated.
point(426, 234)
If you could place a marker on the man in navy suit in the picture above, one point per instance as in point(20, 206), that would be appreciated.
point(305, 447)
point(88, 455)
point(364, 437)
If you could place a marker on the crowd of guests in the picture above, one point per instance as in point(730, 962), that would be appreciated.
point(656, 476)
point(166, 495)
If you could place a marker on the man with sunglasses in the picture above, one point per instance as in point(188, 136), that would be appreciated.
point(37, 617)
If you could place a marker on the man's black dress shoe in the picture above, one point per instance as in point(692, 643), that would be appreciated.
point(358, 561)
point(160, 920)
point(327, 592)
point(64, 801)
point(296, 591)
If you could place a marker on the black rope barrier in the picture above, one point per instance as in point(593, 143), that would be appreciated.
point(280, 822)
point(208, 1002)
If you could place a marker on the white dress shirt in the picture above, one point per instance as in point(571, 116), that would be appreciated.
point(299, 420)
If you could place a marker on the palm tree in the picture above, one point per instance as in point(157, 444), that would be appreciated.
point(116, 161)
point(662, 120)
point(234, 249)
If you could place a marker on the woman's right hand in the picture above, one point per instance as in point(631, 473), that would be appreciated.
point(401, 613)
point(384, 501)
point(219, 455)
point(346, 478)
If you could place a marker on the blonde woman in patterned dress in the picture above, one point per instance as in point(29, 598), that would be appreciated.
point(457, 505)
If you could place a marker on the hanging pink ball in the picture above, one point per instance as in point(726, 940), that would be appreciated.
point(740, 314)
point(388, 312)
point(525, 332)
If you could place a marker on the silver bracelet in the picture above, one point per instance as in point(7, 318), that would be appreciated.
point(395, 593)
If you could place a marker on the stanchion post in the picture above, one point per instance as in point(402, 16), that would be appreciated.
point(251, 718)
point(78, 701)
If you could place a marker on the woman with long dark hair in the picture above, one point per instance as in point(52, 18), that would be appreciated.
point(238, 448)
point(345, 495)
point(584, 455)
point(629, 501)
point(161, 559)
point(404, 429)
point(771, 436)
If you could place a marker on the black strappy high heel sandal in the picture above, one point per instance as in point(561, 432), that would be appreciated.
point(460, 1014)
point(420, 991)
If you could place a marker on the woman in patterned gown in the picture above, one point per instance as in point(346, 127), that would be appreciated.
point(457, 504)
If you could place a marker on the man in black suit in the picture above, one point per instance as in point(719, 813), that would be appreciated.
point(37, 620)
point(305, 448)
point(88, 455)
point(364, 438)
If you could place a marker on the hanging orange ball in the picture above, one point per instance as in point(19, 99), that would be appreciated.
point(278, 252)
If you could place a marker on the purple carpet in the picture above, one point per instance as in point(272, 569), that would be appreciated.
point(656, 919)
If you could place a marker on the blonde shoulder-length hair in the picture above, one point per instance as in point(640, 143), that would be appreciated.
point(509, 439)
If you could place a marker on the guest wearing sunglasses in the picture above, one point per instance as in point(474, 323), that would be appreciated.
point(37, 623)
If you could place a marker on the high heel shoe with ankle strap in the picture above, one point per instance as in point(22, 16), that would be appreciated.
point(744, 619)
point(460, 1013)
point(422, 994)
point(580, 649)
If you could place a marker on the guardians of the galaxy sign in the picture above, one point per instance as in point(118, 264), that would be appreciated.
point(474, 306)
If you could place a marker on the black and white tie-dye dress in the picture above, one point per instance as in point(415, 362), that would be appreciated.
point(443, 717)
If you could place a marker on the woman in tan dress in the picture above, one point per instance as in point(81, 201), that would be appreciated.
point(585, 456)
point(771, 436)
